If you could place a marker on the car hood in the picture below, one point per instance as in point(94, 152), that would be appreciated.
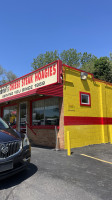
point(7, 135)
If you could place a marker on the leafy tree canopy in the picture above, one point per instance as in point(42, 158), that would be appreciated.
point(87, 62)
point(103, 69)
point(71, 57)
point(100, 67)
point(86, 58)
point(6, 76)
point(88, 67)
point(44, 59)
point(110, 56)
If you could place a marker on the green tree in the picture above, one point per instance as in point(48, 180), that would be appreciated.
point(103, 69)
point(44, 59)
point(87, 62)
point(68, 57)
point(10, 76)
point(1, 70)
point(86, 58)
point(88, 67)
point(111, 56)
point(71, 57)
point(6, 76)
point(2, 74)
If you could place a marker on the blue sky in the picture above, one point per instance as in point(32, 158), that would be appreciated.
point(31, 27)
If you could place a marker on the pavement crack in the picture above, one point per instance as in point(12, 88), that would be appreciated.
point(11, 192)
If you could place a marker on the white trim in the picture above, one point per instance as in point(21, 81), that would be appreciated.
point(88, 99)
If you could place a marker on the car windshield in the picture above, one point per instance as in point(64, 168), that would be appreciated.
point(3, 124)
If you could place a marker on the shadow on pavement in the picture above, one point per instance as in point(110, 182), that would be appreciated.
point(41, 147)
point(19, 177)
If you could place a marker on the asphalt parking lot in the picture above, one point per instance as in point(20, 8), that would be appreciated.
point(53, 175)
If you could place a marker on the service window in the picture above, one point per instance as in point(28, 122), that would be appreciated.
point(52, 111)
point(10, 115)
point(38, 113)
point(85, 99)
point(45, 112)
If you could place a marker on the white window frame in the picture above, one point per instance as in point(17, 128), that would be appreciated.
point(89, 99)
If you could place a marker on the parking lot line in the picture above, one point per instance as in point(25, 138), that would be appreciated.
point(96, 159)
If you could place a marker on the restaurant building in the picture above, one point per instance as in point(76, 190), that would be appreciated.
point(55, 99)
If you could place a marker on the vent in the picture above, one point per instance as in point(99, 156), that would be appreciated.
point(10, 148)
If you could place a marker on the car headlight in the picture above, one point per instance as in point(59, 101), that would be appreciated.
point(25, 141)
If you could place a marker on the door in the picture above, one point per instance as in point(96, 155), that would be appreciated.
point(23, 117)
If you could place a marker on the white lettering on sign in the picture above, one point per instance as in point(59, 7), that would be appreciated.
point(36, 79)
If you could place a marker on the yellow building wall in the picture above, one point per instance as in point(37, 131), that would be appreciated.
point(108, 105)
point(101, 106)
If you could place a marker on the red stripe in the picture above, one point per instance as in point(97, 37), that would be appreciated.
point(69, 120)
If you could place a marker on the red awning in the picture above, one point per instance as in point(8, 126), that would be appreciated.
point(50, 90)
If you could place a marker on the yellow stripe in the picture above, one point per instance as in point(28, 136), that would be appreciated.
point(96, 158)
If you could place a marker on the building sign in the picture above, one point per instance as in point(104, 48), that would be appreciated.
point(39, 78)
